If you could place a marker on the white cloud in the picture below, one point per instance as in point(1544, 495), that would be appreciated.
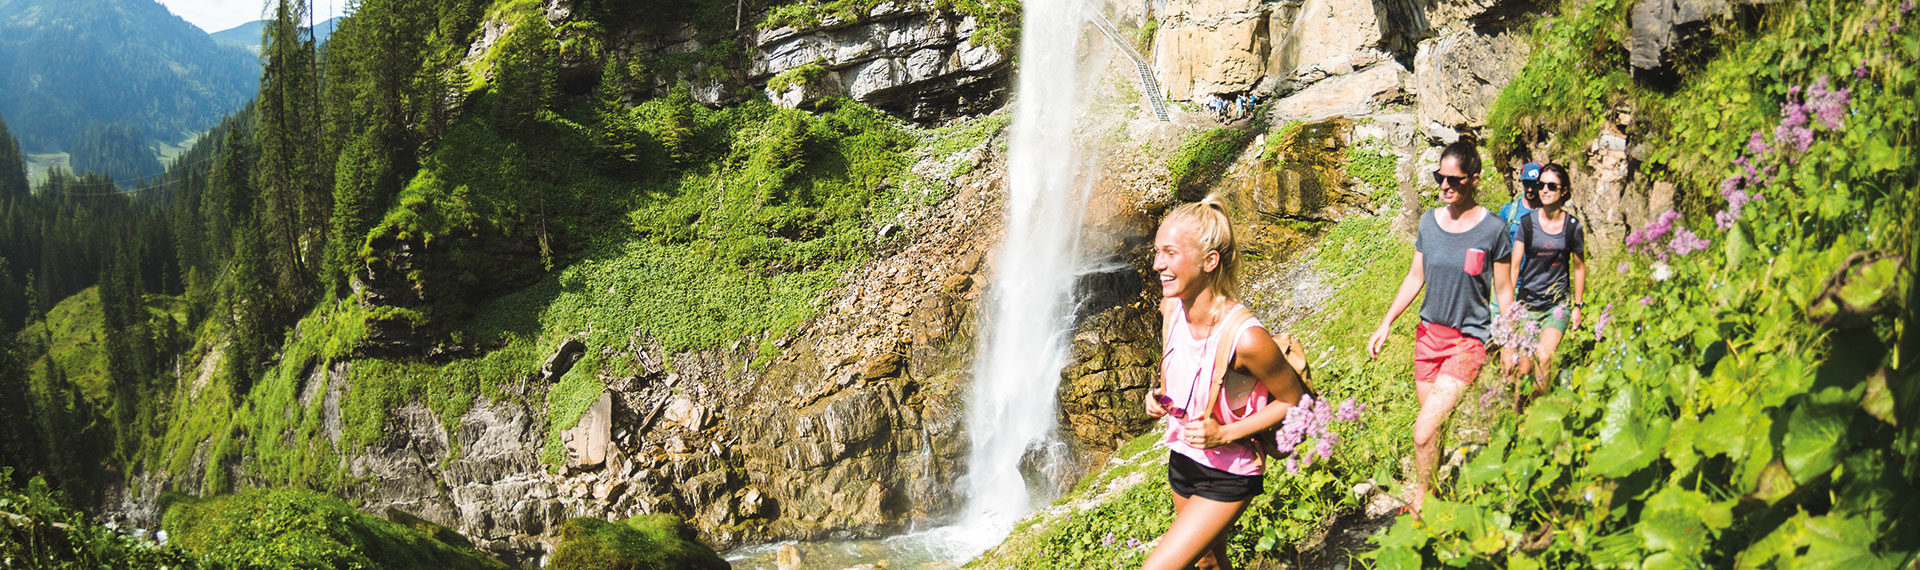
point(216, 15)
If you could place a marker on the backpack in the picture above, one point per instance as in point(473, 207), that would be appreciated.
point(1258, 397)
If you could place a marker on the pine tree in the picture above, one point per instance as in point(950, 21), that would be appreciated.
point(524, 80)
point(296, 206)
point(13, 166)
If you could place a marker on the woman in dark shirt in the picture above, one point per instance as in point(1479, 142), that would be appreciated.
point(1553, 281)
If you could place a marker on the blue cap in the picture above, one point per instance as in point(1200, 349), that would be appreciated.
point(1530, 172)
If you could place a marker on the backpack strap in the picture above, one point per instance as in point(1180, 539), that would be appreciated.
point(1228, 330)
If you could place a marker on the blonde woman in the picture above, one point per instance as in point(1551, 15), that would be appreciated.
point(1214, 469)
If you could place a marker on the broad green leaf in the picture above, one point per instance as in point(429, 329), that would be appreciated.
point(1782, 542)
point(1870, 285)
point(1672, 529)
point(1736, 246)
point(1401, 535)
point(1812, 443)
point(1680, 450)
point(1880, 156)
point(1397, 558)
point(1878, 400)
point(1834, 541)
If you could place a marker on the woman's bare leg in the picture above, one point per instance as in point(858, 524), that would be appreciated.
point(1199, 528)
point(1436, 405)
point(1543, 359)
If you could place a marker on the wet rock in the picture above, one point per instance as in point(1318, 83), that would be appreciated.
point(910, 58)
point(788, 558)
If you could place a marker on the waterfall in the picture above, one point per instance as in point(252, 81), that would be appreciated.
point(1013, 415)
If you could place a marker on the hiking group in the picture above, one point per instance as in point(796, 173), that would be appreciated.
point(1227, 382)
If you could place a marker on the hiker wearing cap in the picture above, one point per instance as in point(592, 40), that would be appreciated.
point(1523, 204)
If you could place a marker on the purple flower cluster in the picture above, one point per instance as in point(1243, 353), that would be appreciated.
point(1508, 330)
point(1906, 6)
point(1736, 203)
point(1685, 242)
point(1313, 418)
point(1648, 238)
point(1600, 323)
point(1821, 102)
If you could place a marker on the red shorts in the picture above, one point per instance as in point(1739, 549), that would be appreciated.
point(1440, 349)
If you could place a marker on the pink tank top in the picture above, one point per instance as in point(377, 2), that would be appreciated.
point(1187, 365)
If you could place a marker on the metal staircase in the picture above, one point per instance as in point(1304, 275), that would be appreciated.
point(1147, 82)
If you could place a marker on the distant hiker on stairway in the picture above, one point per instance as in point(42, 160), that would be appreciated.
point(1460, 257)
point(1214, 465)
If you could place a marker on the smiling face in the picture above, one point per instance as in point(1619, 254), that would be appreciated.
point(1553, 190)
point(1456, 187)
point(1184, 269)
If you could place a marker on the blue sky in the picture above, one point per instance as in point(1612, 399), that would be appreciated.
point(216, 15)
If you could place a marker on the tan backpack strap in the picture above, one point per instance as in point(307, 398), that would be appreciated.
point(1296, 355)
point(1228, 330)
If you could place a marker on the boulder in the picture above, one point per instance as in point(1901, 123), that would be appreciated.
point(587, 441)
point(1345, 96)
point(1211, 46)
point(1457, 77)
point(1325, 30)
point(562, 359)
point(1660, 25)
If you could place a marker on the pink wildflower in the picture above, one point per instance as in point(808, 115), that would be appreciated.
point(1600, 324)
point(1646, 301)
point(1757, 145)
point(1685, 242)
point(1624, 267)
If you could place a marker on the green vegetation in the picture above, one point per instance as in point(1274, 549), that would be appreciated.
point(285, 528)
point(1732, 412)
point(37, 531)
point(1546, 97)
point(1374, 164)
point(802, 75)
point(648, 541)
point(1203, 157)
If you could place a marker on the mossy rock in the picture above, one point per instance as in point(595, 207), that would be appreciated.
point(649, 541)
point(293, 528)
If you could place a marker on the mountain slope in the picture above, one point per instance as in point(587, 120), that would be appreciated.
point(248, 35)
point(65, 64)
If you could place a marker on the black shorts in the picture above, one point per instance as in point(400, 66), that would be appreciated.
point(1189, 478)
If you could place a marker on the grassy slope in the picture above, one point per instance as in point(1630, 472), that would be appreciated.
point(635, 280)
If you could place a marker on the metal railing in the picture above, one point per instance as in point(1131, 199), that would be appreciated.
point(1147, 82)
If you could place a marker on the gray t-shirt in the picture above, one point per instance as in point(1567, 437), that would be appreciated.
point(1459, 271)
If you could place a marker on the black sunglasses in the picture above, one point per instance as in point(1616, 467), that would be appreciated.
point(1530, 184)
point(1554, 186)
point(1443, 179)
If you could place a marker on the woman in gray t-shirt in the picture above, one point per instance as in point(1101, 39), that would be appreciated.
point(1461, 258)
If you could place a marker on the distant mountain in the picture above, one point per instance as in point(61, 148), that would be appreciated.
point(248, 35)
point(70, 65)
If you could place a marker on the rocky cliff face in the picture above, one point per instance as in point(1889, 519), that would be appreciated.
point(909, 58)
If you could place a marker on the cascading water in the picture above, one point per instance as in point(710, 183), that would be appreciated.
point(1013, 414)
